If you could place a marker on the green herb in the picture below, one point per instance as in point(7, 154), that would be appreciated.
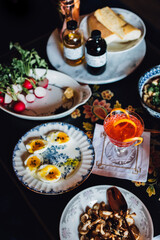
point(20, 68)
point(156, 101)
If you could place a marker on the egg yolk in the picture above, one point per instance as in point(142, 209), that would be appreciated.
point(49, 173)
point(33, 163)
point(62, 137)
point(36, 145)
point(59, 137)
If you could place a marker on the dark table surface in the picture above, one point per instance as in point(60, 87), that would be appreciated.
point(28, 215)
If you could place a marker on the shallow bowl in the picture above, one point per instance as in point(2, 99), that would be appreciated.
point(151, 73)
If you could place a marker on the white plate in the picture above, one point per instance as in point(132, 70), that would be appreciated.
point(119, 65)
point(79, 146)
point(70, 218)
point(131, 18)
point(50, 106)
point(157, 237)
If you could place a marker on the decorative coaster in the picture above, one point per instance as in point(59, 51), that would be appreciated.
point(136, 170)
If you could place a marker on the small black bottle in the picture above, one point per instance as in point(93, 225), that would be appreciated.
point(96, 53)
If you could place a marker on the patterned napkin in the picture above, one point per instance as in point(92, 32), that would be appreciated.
point(135, 171)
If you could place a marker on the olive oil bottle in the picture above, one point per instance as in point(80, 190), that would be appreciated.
point(73, 49)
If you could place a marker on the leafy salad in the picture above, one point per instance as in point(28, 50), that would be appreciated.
point(17, 87)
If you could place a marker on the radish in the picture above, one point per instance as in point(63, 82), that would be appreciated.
point(30, 97)
point(21, 98)
point(19, 87)
point(29, 83)
point(7, 98)
point(19, 107)
point(40, 92)
point(31, 91)
point(15, 88)
point(1, 99)
point(43, 83)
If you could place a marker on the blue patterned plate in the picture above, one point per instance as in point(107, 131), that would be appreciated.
point(74, 159)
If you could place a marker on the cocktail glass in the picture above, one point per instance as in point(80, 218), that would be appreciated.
point(124, 130)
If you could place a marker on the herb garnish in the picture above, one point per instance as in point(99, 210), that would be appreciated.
point(20, 68)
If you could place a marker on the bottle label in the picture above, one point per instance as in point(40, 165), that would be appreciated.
point(95, 61)
point(73, 53)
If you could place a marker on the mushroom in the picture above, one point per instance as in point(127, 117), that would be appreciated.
point(83, 237)
point(135, 231)
point(84, 217)
point(97, 238)
point(99, 223)
point(98, 220)
point(84, 229)
point(105, 234)
point(105, 214)
point(96, 206)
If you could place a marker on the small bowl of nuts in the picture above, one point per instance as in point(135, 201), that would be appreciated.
point(149, 91)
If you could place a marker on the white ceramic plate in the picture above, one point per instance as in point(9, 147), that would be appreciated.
point(131, 18)
point(119, 64)
point(70, 218)
point(157, 237)
point(52, 106)
point(78, 147)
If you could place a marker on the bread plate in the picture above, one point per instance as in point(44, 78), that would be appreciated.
point(130, 17)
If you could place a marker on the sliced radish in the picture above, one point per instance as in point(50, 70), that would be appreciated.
point(31, 91)
point(43, 83)
point(40, 92)
point(19, 107)
point(7, 98)
point(19, 86)
point(1, 99)
point(15, 88)
point(30, 97)
point(21, 98)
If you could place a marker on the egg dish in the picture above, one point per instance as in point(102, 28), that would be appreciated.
point(37, 145)
point(57, 137)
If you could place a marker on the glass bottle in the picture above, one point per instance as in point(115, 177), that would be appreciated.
point(96, 53)
point(70, 10)
point(73, 48)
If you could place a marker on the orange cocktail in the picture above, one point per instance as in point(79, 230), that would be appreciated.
point(124, 128)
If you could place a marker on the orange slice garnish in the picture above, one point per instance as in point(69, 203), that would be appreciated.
point(120, 109)
point(124, 120)
point(140, 139)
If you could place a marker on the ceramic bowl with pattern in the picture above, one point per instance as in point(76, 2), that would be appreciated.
point(70, 218)
point(148, 75)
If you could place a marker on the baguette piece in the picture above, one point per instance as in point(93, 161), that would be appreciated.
point(94, 24)
point(116, 24)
